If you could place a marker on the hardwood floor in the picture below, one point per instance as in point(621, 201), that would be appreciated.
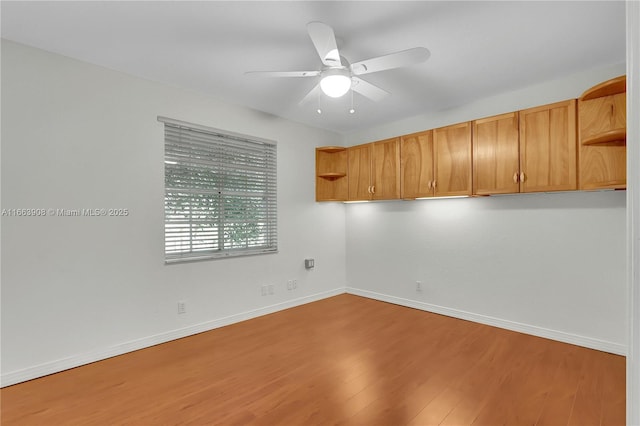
point(341, 361)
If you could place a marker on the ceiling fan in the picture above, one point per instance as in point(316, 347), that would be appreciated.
point(337, 75)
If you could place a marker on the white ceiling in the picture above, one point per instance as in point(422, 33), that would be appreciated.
point(478, 48)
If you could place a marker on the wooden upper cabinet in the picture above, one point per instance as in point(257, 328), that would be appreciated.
point(548, 148)
point(374, 170)
point(331, 173)
point(359, 172)
point(452, 159)
point(416, 165)
point(532, 150)
point(386, 169)
point(602, 117)
point(496, 155)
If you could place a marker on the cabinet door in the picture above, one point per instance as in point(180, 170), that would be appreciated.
point(452, 153)
point(548, 148)
point(416, 153)
point(602, 164)
point(496, 157)
point(385, 169)
point(359, 172)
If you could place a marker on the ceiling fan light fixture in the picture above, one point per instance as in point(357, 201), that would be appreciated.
point(335, 82)
point(338, 75)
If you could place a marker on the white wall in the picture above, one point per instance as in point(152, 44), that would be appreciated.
point(77, 289)
point(546, 264)
point(540, 94)
point(633, 210)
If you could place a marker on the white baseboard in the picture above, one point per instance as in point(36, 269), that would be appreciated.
point(59, 365)
point(574, 339)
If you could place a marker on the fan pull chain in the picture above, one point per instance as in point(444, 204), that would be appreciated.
point(352, 110)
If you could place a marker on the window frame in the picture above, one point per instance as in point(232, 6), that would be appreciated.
point(209, 201)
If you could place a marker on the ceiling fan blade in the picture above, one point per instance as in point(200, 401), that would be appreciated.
point(367, 89)
point(324, 40)
point(393, 60)
point(283, 73)
point(313, 94)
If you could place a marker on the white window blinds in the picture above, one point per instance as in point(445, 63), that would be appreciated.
point(220, 193)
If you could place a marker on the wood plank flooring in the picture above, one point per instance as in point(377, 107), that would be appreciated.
point(340, 361)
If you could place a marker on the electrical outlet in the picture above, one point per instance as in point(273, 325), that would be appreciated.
point(418, 285)
point(182, 307)
point(264, 290)
point(294, 284)
point(289, 284)
point(271, 289)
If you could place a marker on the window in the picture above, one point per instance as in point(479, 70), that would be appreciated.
point(220, 193)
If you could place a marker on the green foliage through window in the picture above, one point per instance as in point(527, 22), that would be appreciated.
point(220, 193)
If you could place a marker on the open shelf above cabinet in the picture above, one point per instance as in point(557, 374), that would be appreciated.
point(331, 149)
point(607, 88)
point(616, 137)
point(333, 175)
point(603, 135)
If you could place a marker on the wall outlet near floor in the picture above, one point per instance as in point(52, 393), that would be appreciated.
point(267, 289)
point(292, 284)
point(182, 307)
point(418, 285)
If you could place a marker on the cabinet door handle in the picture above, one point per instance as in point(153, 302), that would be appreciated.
point(429, 185)
point(522, 177)
point(515, 177)
point(369, 189)
point(434, 184)
point(373, 189)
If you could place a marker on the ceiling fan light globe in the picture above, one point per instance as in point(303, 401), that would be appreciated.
point(335, 85)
